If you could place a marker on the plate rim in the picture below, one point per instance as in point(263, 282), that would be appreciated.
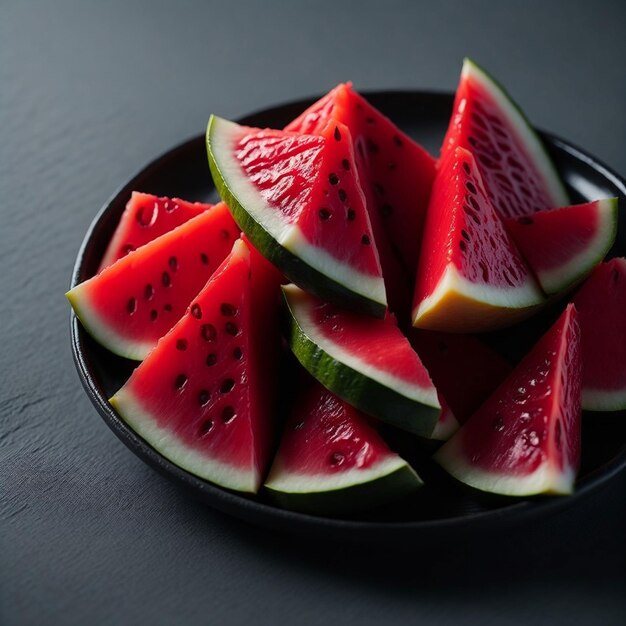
point(260, 513)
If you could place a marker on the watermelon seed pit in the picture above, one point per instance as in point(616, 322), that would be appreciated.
point(206, 427)
point(147, 216)
point(324, 214)
point(228, 414)
point(333, 179)
point(469, 185)
point(180, 382)
point(466, 168)
point(462, 245)
point(131, 306)
point(203, 398)
point(365, 240)
point(465, 235)
point(337, 458)
point(211, 359)
point(231, 329)
point(238, 353)
point(208, 332)
point(228, 310)
point(148, 292)
point(196, 311)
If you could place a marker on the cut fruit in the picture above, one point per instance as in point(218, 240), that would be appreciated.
point(563, 245)
point(368, 363)
point(396, 172)
point(464, 369)
point(131, 304)
point(331, 461)
point(601, 304)
point(145, 218)
point(517, 171)
point(471, 277)
point(298, 199)
point(525, 439)
point(204, 397)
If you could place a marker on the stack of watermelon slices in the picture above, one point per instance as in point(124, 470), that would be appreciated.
point(395, 261)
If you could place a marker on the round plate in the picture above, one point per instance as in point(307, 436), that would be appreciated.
point(443, 505)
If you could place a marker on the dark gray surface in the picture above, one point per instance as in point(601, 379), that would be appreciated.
point(89, 92)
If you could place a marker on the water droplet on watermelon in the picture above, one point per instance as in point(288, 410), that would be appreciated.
point(146, 216)
point(148, 292)
point(324, 214)
point(203, 398)
point(524, 417)
point(346, 165)
point(180, 382)
point(204, 259)
point(351, 215)
point(173, 263)
point(196, 310)
point(333, 179)
point(181, 344)
point(365, 240)
point(153, 315)
point(208, 332)
point(238, 353)
point(228, 414)
point(342, 195)
point(232, 329)
point(211, 359)
point(227, 385)
point(337, 458)
point(131, 305)
point(533, 438)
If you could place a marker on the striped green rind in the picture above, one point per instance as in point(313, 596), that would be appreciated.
point(359, 390)
point(295, 268)
point(377, 491)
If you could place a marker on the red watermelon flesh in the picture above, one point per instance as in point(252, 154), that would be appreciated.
point(331, 459)
point(526, 438)
point(517, 171)
point(601, 303)
point(204, 396)
point(145, 218)
point(563, 245)
point(464, 369)
point(471, 277)
point(396, 172)
point(131, 304)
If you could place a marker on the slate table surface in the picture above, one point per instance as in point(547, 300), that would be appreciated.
point(92, 91)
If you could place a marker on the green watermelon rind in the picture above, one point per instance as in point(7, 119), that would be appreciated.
point(389, 480)
point(291, 263)
point(373, 391)
point(566, 276)
point(525, 131)
point(546, 479)
point(164, 442)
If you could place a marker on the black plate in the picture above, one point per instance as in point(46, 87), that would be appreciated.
point(443, 506)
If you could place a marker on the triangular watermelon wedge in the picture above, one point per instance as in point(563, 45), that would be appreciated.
point(563, 245)
point(366, 362)
point(396, 174)
point(298, 198)
point(204, 397)
point(601, 303)
point(518, 173)
point(525, 439)
point(131, 304)
point(145, 218)
point(471, 276)
point(332, 461)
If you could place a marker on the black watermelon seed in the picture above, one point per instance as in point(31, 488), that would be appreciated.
point(346, 165)
point(208, 332)
point(154, 314)
point(365, 240)
point(342, 195)
point(379, 189)
point(370, 120)
point(324, 214)
point(351, 215)
point(204, 259)
point(148, 292)
point(465, 234)
point(131, 305)
point(173, 263)
point(386, 209)
point(238, 353)
point(181, 344)
point(228, 414)
point(333, 179)
point(525, 220)
point(203, 398)
point(207, 427)
point(196, 311)
point(227, 385)
point(469, 185)
point(211, 359)
point(466, 168)
point(180, 382)
point(224, 234)
point(462, 245)
point(232, 329)
point(167, 307)
point(398, 141)
point(337, 134)
point(166, 280)
point(228, 310)
point(372, 146)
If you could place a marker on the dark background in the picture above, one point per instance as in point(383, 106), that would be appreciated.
point(89, 93)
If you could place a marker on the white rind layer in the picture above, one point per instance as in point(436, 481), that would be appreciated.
point(545, 479)
point(446, 426)
point(427, 396)
point(100, 330)
point(165, 442)
point(291, 482)
point(525, 133)
point(272, 221)
point(556, 279)
point(604, 399)
point(526, 295)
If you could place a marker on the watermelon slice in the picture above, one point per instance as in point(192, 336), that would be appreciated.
point(145, 218)
point(204, 396)
point(299, 200)
point(525, 439)
point(601, 303)
point(332, 461)
point(396, 172)
point(135, 301)
point(563, 245)
point(517, 172)
point(471, 277)
point(464, 369)
point(368, 363)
